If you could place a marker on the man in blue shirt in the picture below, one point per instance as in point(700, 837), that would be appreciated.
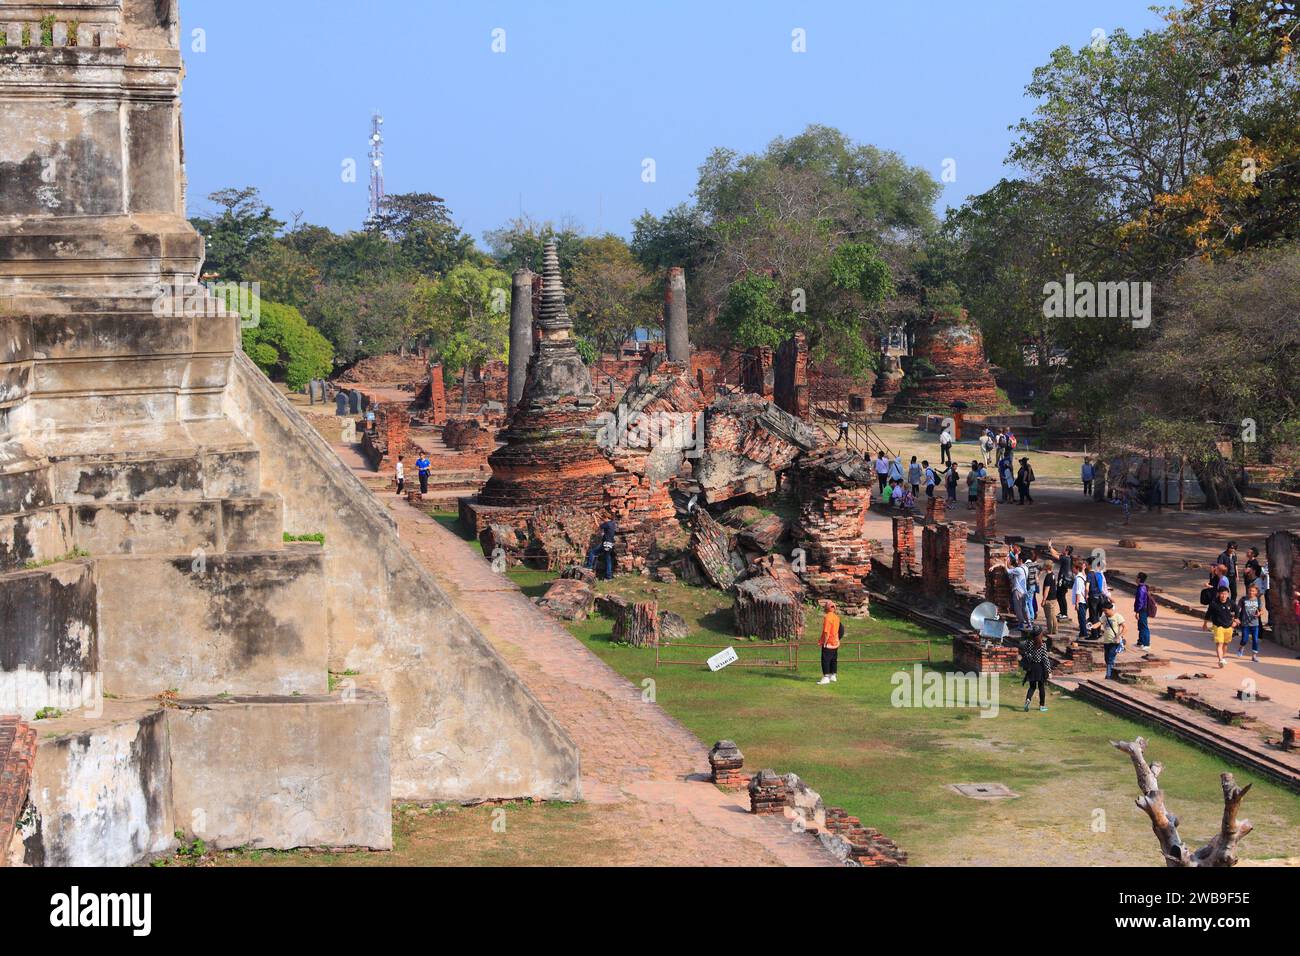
point(422, 465)
point(604, 548)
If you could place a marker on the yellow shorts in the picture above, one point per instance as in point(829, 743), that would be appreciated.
point(1223, 635)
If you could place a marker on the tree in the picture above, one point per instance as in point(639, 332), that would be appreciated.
point(242, 229)
point(520, 242)
point(468, 318)
point(421, 227)
point(285, 347)
point(284, 274)
point(612, 295)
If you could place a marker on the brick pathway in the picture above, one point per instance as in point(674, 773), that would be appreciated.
point(635, 758)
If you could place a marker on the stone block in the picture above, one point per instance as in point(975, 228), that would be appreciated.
point(283, 772)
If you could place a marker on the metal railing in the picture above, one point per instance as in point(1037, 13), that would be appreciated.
point(786, 655)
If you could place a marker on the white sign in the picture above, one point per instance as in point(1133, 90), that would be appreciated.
point(718, 661)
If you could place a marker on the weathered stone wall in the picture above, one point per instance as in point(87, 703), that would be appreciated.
point(463, 725)
point(282, 773)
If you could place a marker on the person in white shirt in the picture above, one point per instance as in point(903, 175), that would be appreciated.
point(945, 446)
point(1019, 589)
point(400, 476)
point(1079, 595)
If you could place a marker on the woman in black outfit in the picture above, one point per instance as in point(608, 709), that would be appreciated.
point(1038, 667)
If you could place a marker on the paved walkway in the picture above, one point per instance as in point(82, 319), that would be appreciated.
point(635, 758)
point(1164, 541)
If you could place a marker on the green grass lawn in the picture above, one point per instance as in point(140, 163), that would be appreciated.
point(892, 766)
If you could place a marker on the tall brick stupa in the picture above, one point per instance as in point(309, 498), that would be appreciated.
point(953, 347)
point(551, 454)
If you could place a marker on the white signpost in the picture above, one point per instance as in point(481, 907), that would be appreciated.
point(720, 660)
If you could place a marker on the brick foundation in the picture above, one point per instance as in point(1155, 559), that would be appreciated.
point(971, 655)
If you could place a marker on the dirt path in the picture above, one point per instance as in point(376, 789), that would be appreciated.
point(638, 762)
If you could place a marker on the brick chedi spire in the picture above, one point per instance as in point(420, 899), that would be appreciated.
point(551, 454)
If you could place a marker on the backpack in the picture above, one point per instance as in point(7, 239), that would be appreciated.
point(1012, 440)
point(1207, 595)
point(1152, 607)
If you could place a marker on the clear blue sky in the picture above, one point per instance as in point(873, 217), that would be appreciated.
point(587, 89)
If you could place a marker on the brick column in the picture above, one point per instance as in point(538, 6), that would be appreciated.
point(933, 574)
point(934, 509)
point(437, 396)
point(997, 586)
point(676, 327)
point(904, 547)
point(986, 512)
point(952, 542)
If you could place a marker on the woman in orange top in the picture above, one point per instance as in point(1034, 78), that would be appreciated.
point(832, 634)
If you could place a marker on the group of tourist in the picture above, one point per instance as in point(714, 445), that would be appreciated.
point(1226, 614)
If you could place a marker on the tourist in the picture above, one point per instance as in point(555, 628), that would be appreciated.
point(1257, 574)
point(832, 634)
point(887, 493)
point(914, 476)
point(844, 431)
point(1142, 605)
point(931, 479)
point(604, 548)
point(906, 501)
point(973, 485)
point(1079, 596)
point(896, 468)
point(1222, 615)
point(950, 482)
point(1087, 472)
point(400, 476)
point(1249, 610)
point(882, 468)
point(986, 446)
point(1228, 559)
point(1064, 575)
point(1024, 479)
point(945, 446)
point(422, 466)
point(1110, 627)
point(1038, 667)
point(1051, 600)
point(1019, 579)
point(1005, 480)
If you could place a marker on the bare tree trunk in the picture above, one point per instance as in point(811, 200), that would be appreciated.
point(1215, 478)
point(1221, 851)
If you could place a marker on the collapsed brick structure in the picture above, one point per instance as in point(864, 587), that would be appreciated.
point(17, 759)
point(749, 442)
point(954, 348)
point(834, 490)
point(766, 609)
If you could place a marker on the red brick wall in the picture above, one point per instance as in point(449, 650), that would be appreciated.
point(17, 757)
point(904, 546)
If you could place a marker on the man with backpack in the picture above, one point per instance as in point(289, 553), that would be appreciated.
point(945, 446)
point(1144, 606)
point(1228, 559)
point(1098, 593)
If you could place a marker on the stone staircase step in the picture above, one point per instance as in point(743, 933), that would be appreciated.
point(36, 536)
point(240, 622)
point(179, 526)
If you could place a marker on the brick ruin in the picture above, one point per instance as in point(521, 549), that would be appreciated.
point(149, 474)
point(834, 488)
point(17, 759)
point(954, 348)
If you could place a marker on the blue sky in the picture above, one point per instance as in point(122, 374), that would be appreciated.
point(560, 123)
